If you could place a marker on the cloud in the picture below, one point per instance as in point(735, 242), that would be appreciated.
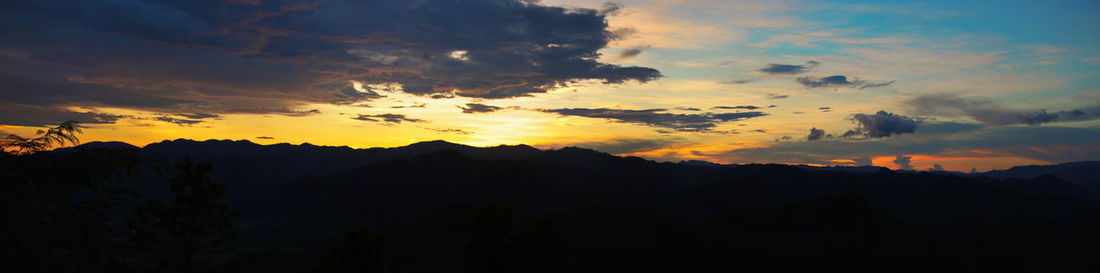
point(264, 137)
point(688, 109)
point(875, 85)
point(222, 57)
point(746, 107)
point(415, 105)
point(294, 113)
point(474, 108)
point(177, 121)
point(863, 161)
point(776, 96)
point(936, 167)
point(30, 115)
point(1040, 143)
point(838, 81)
point(703, 122)
point(881, 124)
point(738, 81)
point(628, 145)
point(631, 52)
point(991, 113)
point(610, 9)
point(388, 118)
point(903, 162)
point(815, 134)
point(451, 131)
point(789, 68)
point(198, 115)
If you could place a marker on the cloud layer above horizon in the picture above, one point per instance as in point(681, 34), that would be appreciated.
point(267, 57)
point(893, 83)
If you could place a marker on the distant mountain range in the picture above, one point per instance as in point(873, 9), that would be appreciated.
point(1076, 172)
point(303, 196)
point(261, 174)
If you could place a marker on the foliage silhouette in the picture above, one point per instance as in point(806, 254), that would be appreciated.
point(66, 132)
point(55, 205)
point(499, 243)
point(362, 250)
point(439, 207)
point(173, 237)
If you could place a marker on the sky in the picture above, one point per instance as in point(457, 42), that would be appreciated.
point(937, 84)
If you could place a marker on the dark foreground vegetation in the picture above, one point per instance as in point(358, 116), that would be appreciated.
point(234, 206)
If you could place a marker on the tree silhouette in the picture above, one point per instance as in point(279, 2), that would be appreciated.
point(172, 237)
point(55, 204)
point(499, 243)
point(59, 135)
point(363, 250)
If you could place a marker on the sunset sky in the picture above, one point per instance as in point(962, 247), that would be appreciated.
point(961, 84)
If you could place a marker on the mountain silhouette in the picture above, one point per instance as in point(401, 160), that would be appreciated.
point(609, 213)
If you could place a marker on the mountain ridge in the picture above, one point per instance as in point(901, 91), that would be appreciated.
point(523, 150)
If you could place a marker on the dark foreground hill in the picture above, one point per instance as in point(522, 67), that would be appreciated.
point(444, 207)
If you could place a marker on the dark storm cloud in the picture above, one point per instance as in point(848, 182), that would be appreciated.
point(272, 57)
point(789, 68)
point(745, 107)
point(838, 81)
point(991, 113)
point(703, 122)
point(388, 118)
point(881, 124)
point(474, 108)
point(777, 96)
point(29, 115)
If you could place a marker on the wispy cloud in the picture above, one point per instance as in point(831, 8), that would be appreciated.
point(991, 113)
point(703, 122)
point(739, 107)
point(881, 124)
point(789, 68)
point(387, 118)
point(838, 81)
point(474, 108)
point(776, 96)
